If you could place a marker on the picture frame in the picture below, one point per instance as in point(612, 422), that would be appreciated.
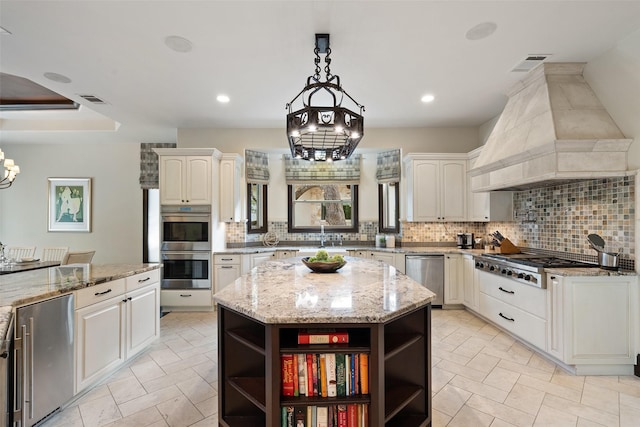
point(69, 204)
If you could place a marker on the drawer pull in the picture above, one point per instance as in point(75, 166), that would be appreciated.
point(102, 293)
point(185, 295)
point(144, 280)
point(505, 317)
point(226, 259)
point(505, 291)
point(226, 266)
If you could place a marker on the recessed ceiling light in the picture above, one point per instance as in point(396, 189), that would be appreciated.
point(427, 98)
point(481, 31)
point(223, 99)
point(57, 77)
point(179, 44)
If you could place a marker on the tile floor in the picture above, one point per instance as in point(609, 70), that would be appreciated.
point(482, 377)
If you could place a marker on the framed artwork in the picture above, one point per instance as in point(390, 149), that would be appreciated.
point(70, 204)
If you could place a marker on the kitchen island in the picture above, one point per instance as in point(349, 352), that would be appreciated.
point(386, 314)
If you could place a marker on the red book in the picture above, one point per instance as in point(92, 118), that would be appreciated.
point(365, 414)
point(310, 375)
point(352, 415)
point(287, 374)
point(323, 336)
point(342, 416)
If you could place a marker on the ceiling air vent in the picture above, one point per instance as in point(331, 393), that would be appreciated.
point(529, 63)
point(93, 99)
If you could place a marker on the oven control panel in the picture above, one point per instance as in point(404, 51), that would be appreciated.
point(522, 274)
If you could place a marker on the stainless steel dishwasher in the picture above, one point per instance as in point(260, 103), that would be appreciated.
point(428, 270)
point(43, 359)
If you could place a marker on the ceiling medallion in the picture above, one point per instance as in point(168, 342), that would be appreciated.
point(322, 129)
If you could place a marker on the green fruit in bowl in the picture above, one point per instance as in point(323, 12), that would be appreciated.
point(337, 258)
point(312, 259)
point(322, 255)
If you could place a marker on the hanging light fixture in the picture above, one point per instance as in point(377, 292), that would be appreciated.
point(9, 171)
point(324, 131)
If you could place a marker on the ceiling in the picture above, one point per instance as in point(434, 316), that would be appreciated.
point(388, 54)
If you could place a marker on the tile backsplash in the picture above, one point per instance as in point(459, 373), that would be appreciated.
point(556, 218)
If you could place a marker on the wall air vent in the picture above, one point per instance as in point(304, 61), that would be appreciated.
point(530, 62)
point(92, 99)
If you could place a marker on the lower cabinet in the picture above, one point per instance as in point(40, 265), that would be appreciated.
point(226, 269)
point(251, 391)
point(453, 279)
point(592, 322)
point(470, 296)
point(114, 321)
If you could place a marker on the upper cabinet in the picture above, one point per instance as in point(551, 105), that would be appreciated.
point(436, 187)
point(185, 180)
point(488, 206)
point(230, 188)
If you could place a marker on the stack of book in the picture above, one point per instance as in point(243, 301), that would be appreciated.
point(325, 374)
point(349, 415)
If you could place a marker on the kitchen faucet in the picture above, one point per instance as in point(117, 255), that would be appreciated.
point(322, 235)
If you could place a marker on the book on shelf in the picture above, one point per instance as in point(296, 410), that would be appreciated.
point(316, 379)
point(323, 336)
point(331, 375)
point(302, 374)
point(347, 374)
point(364, 373)
point(342, 416)
point(352, 415)
point(296, 384)
point(322, 386)
point(287, 374)
point(310, 376)
point(341, 379)
point(300, 417)
point(288, 416)
point(322, 416)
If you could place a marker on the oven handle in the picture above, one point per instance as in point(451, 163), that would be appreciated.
point(196, 255)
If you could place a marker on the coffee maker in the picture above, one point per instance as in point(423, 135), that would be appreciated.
point(464, 240)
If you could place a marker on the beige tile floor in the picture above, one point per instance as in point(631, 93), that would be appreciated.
point(482, 377)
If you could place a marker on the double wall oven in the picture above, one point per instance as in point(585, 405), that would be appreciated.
point(185, 248)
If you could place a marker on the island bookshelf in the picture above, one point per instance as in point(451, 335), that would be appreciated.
point(250, 371)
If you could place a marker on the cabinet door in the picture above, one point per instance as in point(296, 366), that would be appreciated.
point(198, 180)
point(258, 259)
point(172, 170)
point(454, 190)
point(383, 256)
point(225, 275)
point(555, 313)
point(100, 344)
point(470, 283)
point(453, 279)
point(426, 190)
point(230, 200)
point(143, 318)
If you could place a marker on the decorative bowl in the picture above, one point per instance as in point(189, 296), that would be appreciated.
point(323, 267)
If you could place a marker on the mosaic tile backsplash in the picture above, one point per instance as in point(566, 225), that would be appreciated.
point(557, 218)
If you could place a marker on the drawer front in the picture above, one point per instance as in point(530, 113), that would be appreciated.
point(227, 259)
point(527, 298)
point(138, 281)
point(526, 326)
point(186, 298)
point(99, 293)
point(286, 254)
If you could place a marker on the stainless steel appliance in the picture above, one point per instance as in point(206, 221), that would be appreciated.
point(527, 268)
point(186, 270)
point(185, 228)
point(44, 336)
point(464, 240)
point(428, 270)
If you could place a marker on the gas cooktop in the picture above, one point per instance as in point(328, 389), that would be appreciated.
point(537, 260)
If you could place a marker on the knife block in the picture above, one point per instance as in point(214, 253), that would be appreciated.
point(506, 247)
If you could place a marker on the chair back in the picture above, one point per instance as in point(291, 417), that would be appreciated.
point(19, 252)
point(78, 257)
point(54, 253)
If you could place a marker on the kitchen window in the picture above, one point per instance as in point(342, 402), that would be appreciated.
point(389, 207)
point(256, 208)
point(333, 205)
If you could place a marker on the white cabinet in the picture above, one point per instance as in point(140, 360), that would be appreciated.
point(394, 259)
point(185, 180)
point(487, 206)
point(469, 282)
point(254, 260)
point(114, 321)
point(226, 269)
point(230, 188)
point(186, 299)
point(453, 276)
point(286, 253)
point(592, 322)
point(436, 187)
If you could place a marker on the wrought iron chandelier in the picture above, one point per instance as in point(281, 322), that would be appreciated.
point(324, 131)
point(8, 171)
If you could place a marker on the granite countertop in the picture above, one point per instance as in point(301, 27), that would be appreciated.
point(589, 271)
point(286, 291)
point(403, 250)
point(35, 285)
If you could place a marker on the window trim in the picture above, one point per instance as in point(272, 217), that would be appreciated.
point(381, 227)
point(265, 225)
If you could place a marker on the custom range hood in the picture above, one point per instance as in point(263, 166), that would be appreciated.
point(552, 130)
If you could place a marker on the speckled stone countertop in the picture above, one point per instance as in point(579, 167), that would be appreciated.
point(286, 291)
point(593, 271)
point(402, 250)
point(35, 285)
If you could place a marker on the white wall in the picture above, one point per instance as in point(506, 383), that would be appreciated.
point(116, 198)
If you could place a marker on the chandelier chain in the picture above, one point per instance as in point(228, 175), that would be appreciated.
point(327, 69)
point(317, 62)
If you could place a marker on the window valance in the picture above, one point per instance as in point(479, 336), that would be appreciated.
point(298, 171)
point(388, 166)
point(256, 167)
